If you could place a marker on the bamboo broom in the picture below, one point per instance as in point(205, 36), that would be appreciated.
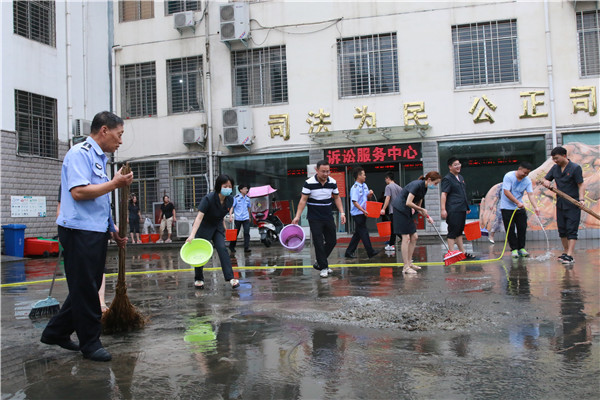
point(574, 202)
point(122, 316)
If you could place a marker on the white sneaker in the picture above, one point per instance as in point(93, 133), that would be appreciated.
point(389, 247)
point(323, 273)
point(329, 271)
point(159, 241)
point(168, 241)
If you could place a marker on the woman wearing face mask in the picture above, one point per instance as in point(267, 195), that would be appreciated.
point(411, 198)
point(209, 225)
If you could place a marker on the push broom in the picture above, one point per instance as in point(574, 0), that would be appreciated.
point(450, 257)
point(49, 306)
point(122, 316)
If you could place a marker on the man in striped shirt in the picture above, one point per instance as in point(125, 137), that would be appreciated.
point(319, 192)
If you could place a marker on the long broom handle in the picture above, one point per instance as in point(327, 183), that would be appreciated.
point(575, 202)
point(55, 270)
point(438, 232)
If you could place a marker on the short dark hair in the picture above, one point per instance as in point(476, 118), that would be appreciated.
point(322, 162)
point(105, 118)
point(167, 196)
point(558, 150)
point(356, 171)
point(525, 165)
point(451, 160)
point(222, 179)
point(389, 175)
point(243, 185)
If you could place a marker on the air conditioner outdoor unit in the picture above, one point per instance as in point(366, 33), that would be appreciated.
point(237, 126)
point(235, 21)
point(183, 20)
point(82, 127)
point(184, 227)
point(193, 135)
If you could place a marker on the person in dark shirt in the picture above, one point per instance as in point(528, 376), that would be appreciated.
point(411, 198)
point(209, 225)
point(167, 217)
point(455, 205)
point(569, 179)
point(134, 219)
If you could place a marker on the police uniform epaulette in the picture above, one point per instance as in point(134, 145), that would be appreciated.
point(86, 146)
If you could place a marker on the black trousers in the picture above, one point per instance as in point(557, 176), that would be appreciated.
point(516, 241)
point(84, 253)
point(218, 240)
point(361, 233)
point(324, 240)
point(246, 225)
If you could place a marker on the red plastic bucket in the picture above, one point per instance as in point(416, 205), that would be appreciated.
point(374, 208)
point(384, 228)
point(145, 238)
point(231, 235)
point(154, 237)
point(472, 230)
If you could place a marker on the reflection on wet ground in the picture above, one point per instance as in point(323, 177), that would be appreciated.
point(503, 329)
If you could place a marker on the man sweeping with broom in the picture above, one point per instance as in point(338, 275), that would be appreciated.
point(84, 226)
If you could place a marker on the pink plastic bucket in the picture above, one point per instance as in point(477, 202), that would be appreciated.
point(292, 237)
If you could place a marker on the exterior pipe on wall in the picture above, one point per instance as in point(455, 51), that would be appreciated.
point(208, 105)
point(550, 72)
point(69, 73)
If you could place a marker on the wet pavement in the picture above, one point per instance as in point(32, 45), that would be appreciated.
point(500, 329)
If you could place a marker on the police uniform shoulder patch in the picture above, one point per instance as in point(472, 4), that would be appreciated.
point(86, 146)
point(98, 166)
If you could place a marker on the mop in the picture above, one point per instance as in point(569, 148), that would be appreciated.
point(49, 306)
point(450, 257)
point(122, 316)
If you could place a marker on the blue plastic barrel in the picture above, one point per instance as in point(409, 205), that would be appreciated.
point(14, 239)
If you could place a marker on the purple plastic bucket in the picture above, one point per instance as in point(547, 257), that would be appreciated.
point(292, 237)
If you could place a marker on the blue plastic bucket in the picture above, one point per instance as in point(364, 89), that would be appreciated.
point(197, 252)
point(292, 237)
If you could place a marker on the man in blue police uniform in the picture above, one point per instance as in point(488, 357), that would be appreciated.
point(84, 227)
point(241, 214)
point(358, 196)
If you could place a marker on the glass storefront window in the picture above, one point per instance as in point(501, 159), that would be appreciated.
point(486, 161)
point(284, 172)
point(589, 138)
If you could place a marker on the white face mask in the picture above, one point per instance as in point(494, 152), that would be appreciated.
point(432, 186)
point(225, 191)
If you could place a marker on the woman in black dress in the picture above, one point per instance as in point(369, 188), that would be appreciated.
point(209, 225)
point(409, 201)
point(134, 219)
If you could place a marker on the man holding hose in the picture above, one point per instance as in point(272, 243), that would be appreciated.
point(514, 186)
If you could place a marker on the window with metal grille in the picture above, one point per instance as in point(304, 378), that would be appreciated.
point(367, 65)
point(138, 90)
point(259, 76)
point(134, 10)
point(172, 7)
point(485, 53)
point(36, 125)
point(35, 20)
point(588, 32)
point(190, 182)
point(184, 85)
point(145, 184)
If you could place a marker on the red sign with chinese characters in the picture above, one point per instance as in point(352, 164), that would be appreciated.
point(340, 179)
point(374, 154)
